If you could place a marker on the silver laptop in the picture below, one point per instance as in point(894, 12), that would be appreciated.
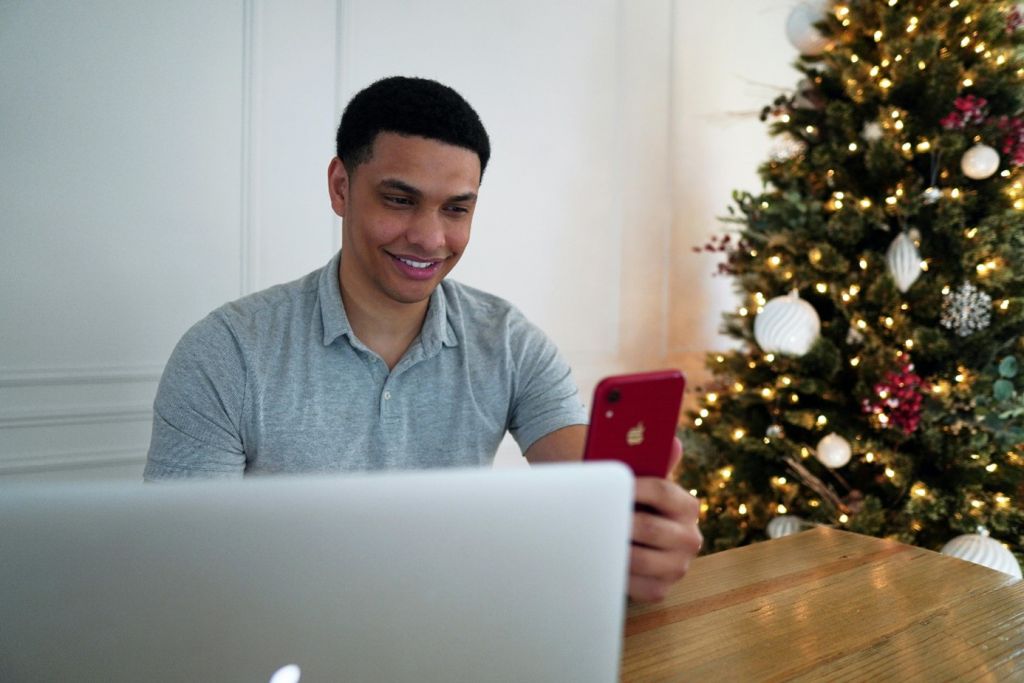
point(458, 575)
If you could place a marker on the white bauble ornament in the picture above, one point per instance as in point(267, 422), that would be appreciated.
point(931, 195)
point(788, 325)
point(985, 551)
point(833, 451)
point(786, 525)
point(801, 31)
point(872, 131)
point(979, 162)
point(903, 261)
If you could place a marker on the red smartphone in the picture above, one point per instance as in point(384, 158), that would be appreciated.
point(633, 419)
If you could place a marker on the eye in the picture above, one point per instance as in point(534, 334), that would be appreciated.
point(397, 200)
point(457, 209)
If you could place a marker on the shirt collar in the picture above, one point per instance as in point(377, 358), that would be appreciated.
point(437, 330)
point(332, 311)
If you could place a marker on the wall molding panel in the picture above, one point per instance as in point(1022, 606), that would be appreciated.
point(83, 415)
point(57, 376)
point(249, 233)
point(58, 462)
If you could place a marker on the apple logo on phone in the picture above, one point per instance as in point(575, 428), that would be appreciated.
point(290, 673)
point(635, 436)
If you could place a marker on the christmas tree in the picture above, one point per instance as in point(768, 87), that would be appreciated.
point(877, 385)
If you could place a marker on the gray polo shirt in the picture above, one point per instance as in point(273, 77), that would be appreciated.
point(278, 382)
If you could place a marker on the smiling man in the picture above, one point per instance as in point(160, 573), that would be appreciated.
point(378, 361)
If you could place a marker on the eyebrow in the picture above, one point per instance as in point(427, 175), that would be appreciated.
point(402, 186)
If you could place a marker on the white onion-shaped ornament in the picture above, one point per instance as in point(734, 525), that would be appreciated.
point(833, 451)
point(979, 162)
point(785, 525)
point(787, 325)
point(800, 28)
point(903, 261)
point(985, 551)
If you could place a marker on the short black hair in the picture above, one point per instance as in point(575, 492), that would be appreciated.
point(409, 106)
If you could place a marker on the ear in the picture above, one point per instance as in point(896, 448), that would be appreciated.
point(338, 186)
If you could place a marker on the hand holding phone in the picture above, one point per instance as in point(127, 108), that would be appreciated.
point(633, 419)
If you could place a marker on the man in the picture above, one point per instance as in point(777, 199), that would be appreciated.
point(377, 361)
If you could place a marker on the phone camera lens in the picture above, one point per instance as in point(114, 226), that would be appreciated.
point(613, 396)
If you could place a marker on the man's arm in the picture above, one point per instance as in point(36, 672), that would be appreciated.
point(197, 412)
point(561, 445)
point(666, 537)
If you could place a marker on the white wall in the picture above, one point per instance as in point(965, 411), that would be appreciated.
point(731, 59)
point(157, 160)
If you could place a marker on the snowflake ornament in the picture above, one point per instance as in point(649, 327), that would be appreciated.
point(967, 310)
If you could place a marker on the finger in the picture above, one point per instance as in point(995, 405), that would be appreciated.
point(675, 458)
point(658, 564)
point(655, 531)
point(667, 498)
point(646, 589)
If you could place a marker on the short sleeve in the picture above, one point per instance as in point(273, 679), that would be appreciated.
point(545, 397)
point(197, 414)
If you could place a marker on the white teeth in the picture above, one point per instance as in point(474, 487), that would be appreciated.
point(415, 264)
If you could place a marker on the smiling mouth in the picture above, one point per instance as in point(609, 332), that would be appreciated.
point(417, 269)
point(416, 264)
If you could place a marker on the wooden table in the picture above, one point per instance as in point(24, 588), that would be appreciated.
point(830, 605)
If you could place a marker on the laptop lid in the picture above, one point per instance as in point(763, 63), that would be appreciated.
point(457, 575)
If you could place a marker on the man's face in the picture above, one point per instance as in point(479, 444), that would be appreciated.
point(407, 213)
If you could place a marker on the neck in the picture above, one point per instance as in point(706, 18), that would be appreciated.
point(385, 326)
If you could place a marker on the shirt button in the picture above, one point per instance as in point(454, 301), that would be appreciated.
point(387, 395)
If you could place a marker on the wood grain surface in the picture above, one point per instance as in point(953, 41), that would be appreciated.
point(827, 605)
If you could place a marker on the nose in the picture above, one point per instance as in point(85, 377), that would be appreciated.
point(427, 231)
